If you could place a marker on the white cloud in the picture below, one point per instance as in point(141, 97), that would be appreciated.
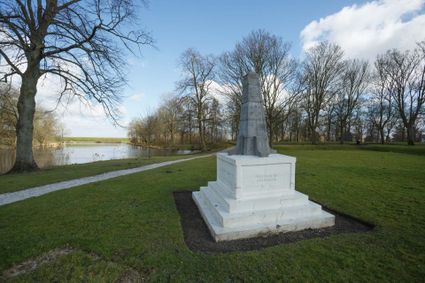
point(80, 118)
point(216, 90)
point(366, 30)
point(136, 97)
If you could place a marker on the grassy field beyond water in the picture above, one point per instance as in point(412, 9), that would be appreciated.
point(128, 227)
point(96, 139)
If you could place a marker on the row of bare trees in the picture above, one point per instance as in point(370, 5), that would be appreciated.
point(324, 97)
point(176, 122)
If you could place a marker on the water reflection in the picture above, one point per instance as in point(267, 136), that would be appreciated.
point(84, 153)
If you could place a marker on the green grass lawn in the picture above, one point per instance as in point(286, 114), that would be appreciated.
point(418, 149)
point(130, 224)
point(16, 182)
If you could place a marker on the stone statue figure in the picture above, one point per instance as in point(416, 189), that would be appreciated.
point(252, 138)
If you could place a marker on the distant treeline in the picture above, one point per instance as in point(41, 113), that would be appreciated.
point(326, 97)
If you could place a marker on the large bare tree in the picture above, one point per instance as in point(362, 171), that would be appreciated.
point(198, 75)
point(268, 56)
point(170, 112)
point(406, 73)
point(319, 78)
point(352, 85)
point(81, 42)
point(381, 109)
point(230, 73)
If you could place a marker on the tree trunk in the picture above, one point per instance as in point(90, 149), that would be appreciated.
point(282, 133)
point(381, 132)
point(313, 127)
point(201, 134)
point(328, 134)
point(410, 134)
point(341, 133)
point(313, 135)
point(24, 129)
point(270, 136)
point(387, 138)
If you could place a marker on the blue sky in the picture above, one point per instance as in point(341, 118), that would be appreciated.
point(211, 27)
point(362, 28)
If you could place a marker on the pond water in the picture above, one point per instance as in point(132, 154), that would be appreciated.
point(84, 153)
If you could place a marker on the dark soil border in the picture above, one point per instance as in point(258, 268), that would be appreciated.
point(198, 239)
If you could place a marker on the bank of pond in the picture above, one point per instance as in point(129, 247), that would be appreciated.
point(77, 153)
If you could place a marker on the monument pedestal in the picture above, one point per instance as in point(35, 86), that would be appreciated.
point(253, 196)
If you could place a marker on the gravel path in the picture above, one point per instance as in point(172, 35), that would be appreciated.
point(42, 190)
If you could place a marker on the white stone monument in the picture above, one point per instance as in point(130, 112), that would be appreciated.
point(254, 193)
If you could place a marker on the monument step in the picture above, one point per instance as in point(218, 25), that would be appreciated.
point(219, 233)
point(224, 191)
point(231, 205)
point(264, 216)
point(269, 216)
point(209, 215)
point(320, 220)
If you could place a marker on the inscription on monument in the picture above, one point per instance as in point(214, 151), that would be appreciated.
point(267, 178)
point(263, 178)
